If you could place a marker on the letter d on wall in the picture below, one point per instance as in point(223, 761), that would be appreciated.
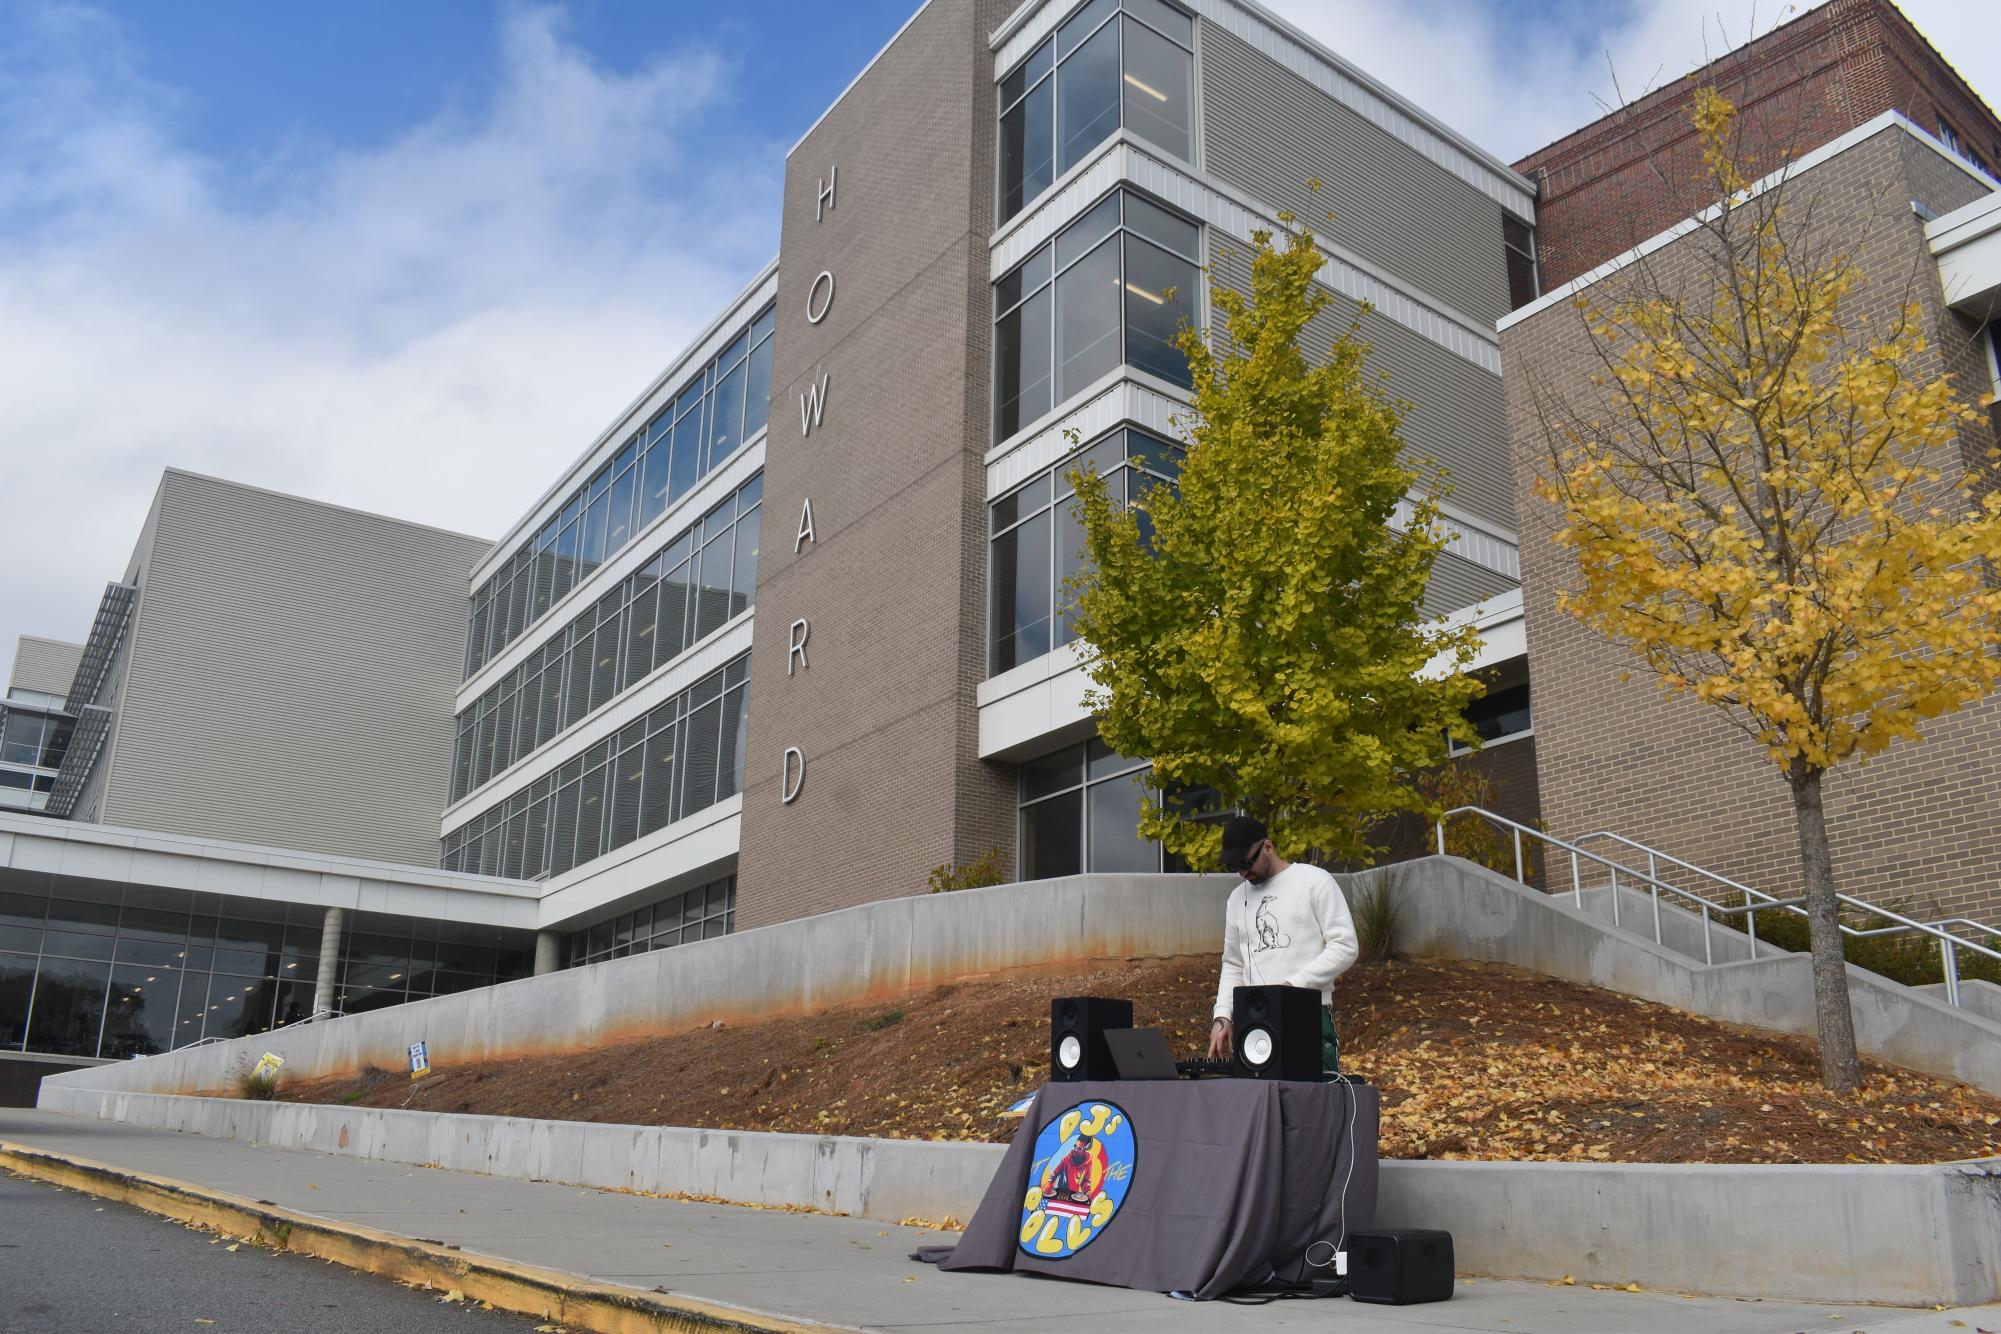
point(794, 775)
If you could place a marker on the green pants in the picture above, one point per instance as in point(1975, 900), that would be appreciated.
point(1330, 1044)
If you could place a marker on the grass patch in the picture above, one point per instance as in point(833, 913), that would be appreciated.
point(253, 1084)
point(1378, 912)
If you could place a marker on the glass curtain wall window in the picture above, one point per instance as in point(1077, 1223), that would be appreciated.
point(715, 413)
point(1112, 288)
point(696, 585)
point(1036, 542)
point(679, 919)
point(1080, 812)
point(1501, 714)
point(101, 969)
point(33, 739)
point(683, 757)
point(1114, 63)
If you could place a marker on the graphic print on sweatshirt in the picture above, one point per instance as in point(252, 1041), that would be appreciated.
point(1269, 935)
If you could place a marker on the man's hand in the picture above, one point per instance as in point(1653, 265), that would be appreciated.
point(1220, 1045)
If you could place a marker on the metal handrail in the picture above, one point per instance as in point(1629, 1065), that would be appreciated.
point(1755, 900)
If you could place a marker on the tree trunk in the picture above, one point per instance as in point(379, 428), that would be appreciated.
point(1839, 1068)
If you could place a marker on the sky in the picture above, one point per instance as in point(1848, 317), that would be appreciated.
point(414, 258)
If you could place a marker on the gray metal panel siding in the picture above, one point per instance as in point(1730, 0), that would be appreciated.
point(291, 675)
point(1266, 131)
point(1457, 582)
point(47, 665)
point(1456, 415)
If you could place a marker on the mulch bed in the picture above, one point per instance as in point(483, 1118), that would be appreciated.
point(1474, 1061)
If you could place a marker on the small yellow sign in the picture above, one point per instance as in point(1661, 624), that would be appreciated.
point(267, 1065)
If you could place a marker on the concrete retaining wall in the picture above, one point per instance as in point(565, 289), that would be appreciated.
point(1455, 908)
point(1912, 1236)
point(1981, 998)
point(881, 949)
point(1908, 1235)
point(892, 948)
point(868, 1178)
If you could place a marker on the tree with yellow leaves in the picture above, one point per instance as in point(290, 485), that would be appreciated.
point(1264, 637)
point(1768, 504)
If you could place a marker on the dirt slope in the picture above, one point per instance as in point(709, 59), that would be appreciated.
point(1474, 1061)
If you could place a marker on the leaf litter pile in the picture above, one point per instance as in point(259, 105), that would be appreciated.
point(1474, 1060)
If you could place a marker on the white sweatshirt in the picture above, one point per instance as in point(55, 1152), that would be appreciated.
point(1293, 930)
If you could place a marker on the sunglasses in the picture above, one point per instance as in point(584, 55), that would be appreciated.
point(1239, 868)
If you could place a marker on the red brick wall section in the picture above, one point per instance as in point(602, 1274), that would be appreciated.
point(1918, 823)
point(1634, 173)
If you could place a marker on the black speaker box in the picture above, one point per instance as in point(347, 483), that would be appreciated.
point(1077, 1027)
point(1400, 1268)
point(1277, 1032)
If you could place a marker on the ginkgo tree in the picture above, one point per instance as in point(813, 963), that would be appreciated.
point(1263, 636)
point(1768, 501)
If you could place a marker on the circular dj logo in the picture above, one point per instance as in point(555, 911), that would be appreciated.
point(1082, 1169)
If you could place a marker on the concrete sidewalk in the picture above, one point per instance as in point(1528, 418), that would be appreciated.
point(854, 1273)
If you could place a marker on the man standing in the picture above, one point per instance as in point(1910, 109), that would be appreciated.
point(1287, 924)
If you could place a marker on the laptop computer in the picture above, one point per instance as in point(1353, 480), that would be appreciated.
point(1141, 1053)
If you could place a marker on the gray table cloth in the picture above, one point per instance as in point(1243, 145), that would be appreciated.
point(1194, 1186)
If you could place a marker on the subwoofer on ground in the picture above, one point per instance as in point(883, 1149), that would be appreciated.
point(1401, 1267)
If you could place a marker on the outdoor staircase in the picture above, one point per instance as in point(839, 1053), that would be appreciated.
point(1713, 918)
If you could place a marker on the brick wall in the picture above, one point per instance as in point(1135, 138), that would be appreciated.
point(1623, 178)
point(1510, 767)
point(894, 587)
point(1916, 824)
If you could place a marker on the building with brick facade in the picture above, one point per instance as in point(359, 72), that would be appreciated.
point(790, 631)
point(1610, 185)
point(1875, 139)
point(978, 243)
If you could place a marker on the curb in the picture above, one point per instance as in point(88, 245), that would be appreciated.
point(505, 1284)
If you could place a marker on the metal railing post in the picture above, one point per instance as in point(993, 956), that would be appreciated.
point(1754, 901)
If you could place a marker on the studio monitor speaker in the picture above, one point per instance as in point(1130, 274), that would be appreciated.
point(1400, 1268)
point(1077, 1027)
point(1277, 1032)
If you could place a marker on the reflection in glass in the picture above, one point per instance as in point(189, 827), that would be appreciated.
point(1087, 320)
point(68, 1006)
point(1113, 820)
point(139, 1018)
point(1155, 83)
point(1022, 345)
point(17, 984)
point(1027, 148)
point(1052, 837)
point(1020, 598)
point(1087, 97)
point(1159, 291)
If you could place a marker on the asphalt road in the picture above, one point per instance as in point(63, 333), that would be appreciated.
point(74, 1263)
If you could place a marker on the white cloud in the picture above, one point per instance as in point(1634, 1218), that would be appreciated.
point(429, 330)
point(1513, 77)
